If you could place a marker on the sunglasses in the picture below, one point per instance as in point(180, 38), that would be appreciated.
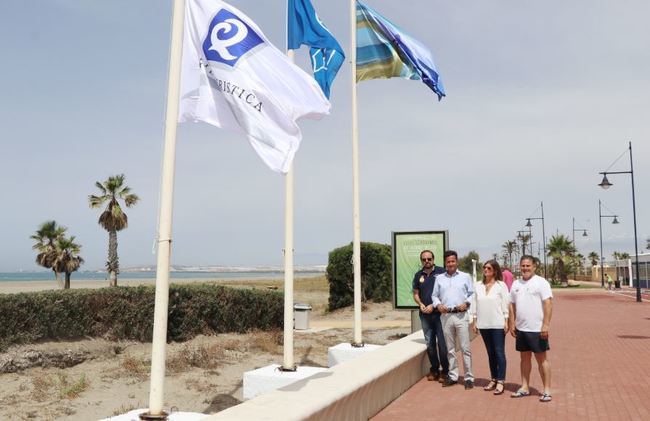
point(427, 259)
point(487, 268)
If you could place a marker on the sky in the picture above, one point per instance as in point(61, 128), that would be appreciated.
point(541, 97)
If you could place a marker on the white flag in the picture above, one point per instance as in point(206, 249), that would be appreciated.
point(234, 78)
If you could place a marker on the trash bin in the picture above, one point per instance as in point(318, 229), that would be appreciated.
point(301, 316)
point(617, 284)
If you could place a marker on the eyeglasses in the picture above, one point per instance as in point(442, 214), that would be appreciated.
point(427, 259)
point(487, 268)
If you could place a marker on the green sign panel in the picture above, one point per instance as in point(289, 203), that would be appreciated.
point(406, 261)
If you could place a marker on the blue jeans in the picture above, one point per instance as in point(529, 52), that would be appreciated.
point(435, 339)
point(494, 340)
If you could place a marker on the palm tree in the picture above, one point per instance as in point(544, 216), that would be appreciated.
point(509, 248)
point(45, 236)
point(593, 258)
point(67, 259)
point(562, 250)
point(113, 219)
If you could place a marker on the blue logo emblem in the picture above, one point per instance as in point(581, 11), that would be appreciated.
point(229, 38)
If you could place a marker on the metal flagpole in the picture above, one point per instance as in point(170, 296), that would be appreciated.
point(288, 362)
point(156, 389)
point(356, 243)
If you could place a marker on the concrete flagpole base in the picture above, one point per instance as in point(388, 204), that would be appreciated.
point(343, 352)
point(268, 378)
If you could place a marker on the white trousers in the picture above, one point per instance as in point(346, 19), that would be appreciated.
point(455, 326)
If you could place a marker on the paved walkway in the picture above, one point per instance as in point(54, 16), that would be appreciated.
point(600, 357)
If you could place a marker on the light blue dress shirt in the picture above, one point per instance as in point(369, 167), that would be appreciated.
point(452, 290)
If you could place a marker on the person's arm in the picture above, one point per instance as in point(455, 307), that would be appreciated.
point(546, 323)
point(473, 314)
point(416, 298)
point(505, 306)
point(512, 315)
point(468, 294)
point(435, 298)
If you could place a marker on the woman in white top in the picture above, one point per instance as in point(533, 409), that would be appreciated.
point(489, 310)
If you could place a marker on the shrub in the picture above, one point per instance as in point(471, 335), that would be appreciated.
point(127, 313)
point(375, 274)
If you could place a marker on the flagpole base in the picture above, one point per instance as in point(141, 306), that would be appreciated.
point(291, 369)
point(146, 416)
point(357, 344)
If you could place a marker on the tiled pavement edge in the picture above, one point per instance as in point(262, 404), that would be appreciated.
point(600, 359)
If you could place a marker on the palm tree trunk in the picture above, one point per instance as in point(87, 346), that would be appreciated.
point(67, 281)
point(563, 275)
point(57, 276)
point(112, 265)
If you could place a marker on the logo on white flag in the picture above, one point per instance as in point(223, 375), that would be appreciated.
point(229, 38)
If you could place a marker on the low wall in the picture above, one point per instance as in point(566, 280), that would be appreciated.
point(354, 390)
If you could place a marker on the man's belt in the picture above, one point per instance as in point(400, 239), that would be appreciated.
point(456, 310)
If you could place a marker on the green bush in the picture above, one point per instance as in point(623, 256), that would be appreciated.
point(127, 313)
point(375, 274)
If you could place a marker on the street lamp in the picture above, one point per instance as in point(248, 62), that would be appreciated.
point(600, 224)
point(574, 230)
point(605, 184)
point(584, 231)
point(529, 225)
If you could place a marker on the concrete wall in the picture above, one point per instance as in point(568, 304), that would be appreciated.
point(354, 390)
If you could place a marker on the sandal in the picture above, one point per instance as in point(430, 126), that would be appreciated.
point(499, 389)
point(545, 397)
point(520, 393)
point(490, 385)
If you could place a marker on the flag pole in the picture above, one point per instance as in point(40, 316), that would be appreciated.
point(288, 362)
point(356, 243)
point(156, 390)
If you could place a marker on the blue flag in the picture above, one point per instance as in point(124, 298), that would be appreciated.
point(326, 54)
point(385, 50)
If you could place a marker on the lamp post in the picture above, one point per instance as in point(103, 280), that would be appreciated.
point(605, 184)
point(600, 225)
point(529, 225)
point(584, 234)
point(584, 231)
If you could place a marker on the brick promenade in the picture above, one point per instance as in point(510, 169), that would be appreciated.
point(600, 359)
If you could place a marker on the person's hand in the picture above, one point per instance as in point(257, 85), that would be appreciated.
point(513, 332)
point(544, 333)
point(462, 307)
point(441, 308)
point(429, 309)
point(423, 308)
point(474, 327)
point(505, 327)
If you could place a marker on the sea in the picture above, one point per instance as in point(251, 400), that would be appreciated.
point(103, 276)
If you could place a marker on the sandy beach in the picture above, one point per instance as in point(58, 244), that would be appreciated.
point(203, 375)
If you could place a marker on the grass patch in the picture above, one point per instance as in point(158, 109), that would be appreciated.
point(199, 356)
point(68, 390)
point(136, 367)
point(267, 341)
point(41, 388)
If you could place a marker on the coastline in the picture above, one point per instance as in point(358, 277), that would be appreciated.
point(14, 287)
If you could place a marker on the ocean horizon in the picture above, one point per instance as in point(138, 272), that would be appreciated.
point(173, 274)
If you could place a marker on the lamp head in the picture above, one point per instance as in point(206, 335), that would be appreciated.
point(615, 221)
point(584, 233)
point(528, 224)
point(605, 184)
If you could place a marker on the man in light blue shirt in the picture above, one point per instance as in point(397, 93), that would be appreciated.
point(452, 295)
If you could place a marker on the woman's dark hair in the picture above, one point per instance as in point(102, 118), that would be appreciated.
point(496, 268)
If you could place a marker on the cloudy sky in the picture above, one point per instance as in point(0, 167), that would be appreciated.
point(541, 96)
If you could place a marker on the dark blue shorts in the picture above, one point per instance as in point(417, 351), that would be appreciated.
point(530, 341)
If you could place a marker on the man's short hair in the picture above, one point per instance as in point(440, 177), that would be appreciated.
point(450, 253)
point(528, 257)
point(427, 251)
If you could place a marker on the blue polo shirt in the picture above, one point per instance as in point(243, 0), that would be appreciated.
point(424, 283)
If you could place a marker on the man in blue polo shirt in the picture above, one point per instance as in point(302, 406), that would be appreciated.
point(423, 283)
